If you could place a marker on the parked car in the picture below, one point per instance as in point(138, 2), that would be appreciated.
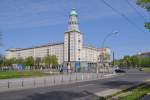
point(120, 71)
point(140, 69)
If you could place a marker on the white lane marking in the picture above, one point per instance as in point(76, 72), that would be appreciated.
point(85, 85)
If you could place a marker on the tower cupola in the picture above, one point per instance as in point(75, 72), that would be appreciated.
point(73, 21)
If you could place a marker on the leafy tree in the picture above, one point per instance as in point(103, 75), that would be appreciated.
point(127, 61)
point(38, 61)
point(9, 62)
point(54, 61)
point(145, 62)
point(47, 61)
point(133, 60)
point(29, 61)
point(1, 60)
point(146, 5)
point(50, 61)
point(19, 61)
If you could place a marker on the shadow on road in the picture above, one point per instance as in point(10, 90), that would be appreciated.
point(62, 95)
point(114, 84)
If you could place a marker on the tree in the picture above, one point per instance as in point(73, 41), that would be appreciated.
point(38, 61)
point(29, 61)
point(146, 5)
point(127, 61)
point(51, 61)
point(19, 61)
point(47, 61)
point(9, 62)
point(134, 61)
point(145, 62)
point(54, 61)
point(1, 60)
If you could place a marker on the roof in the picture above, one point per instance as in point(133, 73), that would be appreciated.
point(49, 44)
point(90, 47)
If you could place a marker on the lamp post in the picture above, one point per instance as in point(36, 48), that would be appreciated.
point(101, 56)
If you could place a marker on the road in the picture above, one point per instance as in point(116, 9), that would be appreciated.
point(78, 91)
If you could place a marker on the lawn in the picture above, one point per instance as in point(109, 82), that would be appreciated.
point(147, 69)
point(136, 93)
point(21, 74)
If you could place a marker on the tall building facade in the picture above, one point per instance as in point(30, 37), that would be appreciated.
point(71, 53)
point(73, 41)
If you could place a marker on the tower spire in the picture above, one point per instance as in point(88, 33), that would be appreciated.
point(73, 21)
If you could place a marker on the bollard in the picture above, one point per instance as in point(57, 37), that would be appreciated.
point(34, 83)
point(97, 76)
point(88, 76)
point(62, 79)
point(22, 83)
point(70, 77)
point(54, 80)
point(44, 81)
point(8, 84)
point(82, 77)
point(76, 77)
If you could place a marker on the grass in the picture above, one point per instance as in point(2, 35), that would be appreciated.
point(21, 74)
point(147, 69)
point(136, 93)
point(133, 93)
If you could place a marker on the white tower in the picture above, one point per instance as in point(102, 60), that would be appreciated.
point(73, 40)
point(73, 21)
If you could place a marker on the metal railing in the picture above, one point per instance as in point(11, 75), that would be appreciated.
point(23, 83)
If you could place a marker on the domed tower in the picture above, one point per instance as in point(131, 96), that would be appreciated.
point(73, 21)
point(73, 41)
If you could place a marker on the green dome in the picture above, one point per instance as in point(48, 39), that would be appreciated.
point(73, 12)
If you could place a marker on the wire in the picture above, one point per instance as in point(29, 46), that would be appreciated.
point(123, 15)
point(136, 10)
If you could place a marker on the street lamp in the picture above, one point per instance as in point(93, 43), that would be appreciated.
point(102, 46)
point(107, 36)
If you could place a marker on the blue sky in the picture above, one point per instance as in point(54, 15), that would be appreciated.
point(26, 23)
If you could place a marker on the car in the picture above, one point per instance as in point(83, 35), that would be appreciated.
point(120, 71)
point(140, 69)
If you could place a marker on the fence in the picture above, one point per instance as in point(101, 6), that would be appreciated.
point(14, 84)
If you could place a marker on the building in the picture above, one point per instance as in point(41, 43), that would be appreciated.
point(143, 55)
point(71, 53)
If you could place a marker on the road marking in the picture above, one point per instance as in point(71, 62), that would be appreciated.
point(85, 85)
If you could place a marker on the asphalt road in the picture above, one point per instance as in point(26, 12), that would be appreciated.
point(77, 91)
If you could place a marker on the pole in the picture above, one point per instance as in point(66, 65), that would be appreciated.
point(103, 43)
point(113, 58)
